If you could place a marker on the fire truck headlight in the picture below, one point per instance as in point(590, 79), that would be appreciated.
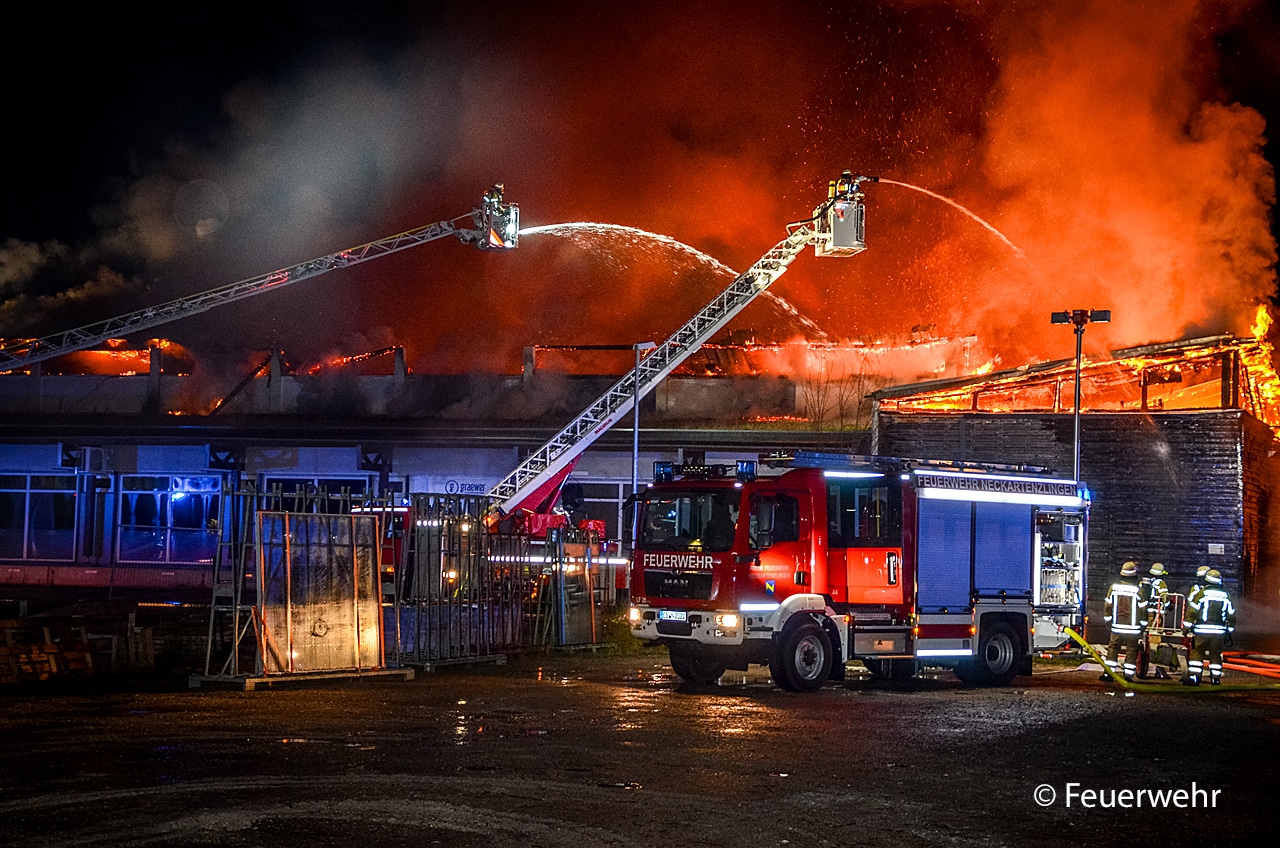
point(633, 615)
point(728, 619)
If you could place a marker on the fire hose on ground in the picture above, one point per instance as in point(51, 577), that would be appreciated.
point(1151, 687)
point(1240, 661)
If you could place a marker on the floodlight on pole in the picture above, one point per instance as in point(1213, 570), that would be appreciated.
point(635, 430)
point(1079, 317)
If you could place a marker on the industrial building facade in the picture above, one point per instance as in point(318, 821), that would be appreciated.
point(110, 481)
point(145, 514)
point(1176, 448)
point(104, 483)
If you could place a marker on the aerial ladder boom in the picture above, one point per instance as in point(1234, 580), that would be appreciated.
point(493, 225)
point(837, 228)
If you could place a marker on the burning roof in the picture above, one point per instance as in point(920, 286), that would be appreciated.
point(1215, 372)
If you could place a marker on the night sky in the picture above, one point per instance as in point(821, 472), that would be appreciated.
point(1121, 147)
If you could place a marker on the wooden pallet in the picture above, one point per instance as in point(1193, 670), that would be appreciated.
point(36, 652)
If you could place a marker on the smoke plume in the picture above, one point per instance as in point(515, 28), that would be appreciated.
point(1096, 137)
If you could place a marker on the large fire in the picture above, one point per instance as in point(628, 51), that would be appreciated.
point(1036, 157)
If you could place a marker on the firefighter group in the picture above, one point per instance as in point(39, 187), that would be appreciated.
point(1148, 623)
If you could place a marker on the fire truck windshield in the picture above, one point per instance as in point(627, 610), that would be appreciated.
point(690, 521)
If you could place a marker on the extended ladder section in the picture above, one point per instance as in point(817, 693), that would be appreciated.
point(836, 229)
point(494, 225)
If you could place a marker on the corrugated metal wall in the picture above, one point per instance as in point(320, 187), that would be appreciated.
point(1166, 486)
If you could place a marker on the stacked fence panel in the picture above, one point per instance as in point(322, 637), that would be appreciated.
point(464, 592)
point(320, 607)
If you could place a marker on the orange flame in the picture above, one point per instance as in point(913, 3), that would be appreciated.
point(1260, 365)
point(1261, 324)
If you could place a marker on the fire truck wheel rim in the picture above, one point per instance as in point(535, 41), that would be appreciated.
point(801, 660)
point(810, 657)
point(999, 653)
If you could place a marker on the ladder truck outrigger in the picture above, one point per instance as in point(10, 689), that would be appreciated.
point(836, 228)
point(894, 562)
point(493, 225)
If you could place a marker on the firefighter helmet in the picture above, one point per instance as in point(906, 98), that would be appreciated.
point(1158, 569)
point(1129, 569)
point(1214, 576)
point(1201, 572)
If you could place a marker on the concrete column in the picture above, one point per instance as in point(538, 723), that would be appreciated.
point(36, 388)
point(530, 364)
point(155, 363)
point(401, 372)
point(275, 383)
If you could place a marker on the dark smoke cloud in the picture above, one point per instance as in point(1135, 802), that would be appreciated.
point(33, 284)
point(1095, 135)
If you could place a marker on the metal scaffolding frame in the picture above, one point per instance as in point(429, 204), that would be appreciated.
point(447, 587)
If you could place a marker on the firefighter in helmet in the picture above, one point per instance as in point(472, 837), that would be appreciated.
point(1162, 615)
point(1125, 610)
point(1153, 591)
point(1197, 587)
point(1212, 620)
point(1192, 606)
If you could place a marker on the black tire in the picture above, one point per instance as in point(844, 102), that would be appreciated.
point(695, 668)
point(898, 669)
point(998, 654)
point(802, 657)
point(1142, 662)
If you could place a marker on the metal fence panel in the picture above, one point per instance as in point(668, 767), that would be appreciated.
point(320, 602)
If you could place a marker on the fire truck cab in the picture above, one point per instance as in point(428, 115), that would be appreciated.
point(897, 563)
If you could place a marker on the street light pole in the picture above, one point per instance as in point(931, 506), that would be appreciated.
point(635, 417)
point(635, 436)
point(1079, 317)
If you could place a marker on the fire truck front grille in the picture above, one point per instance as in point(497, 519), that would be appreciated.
point(669, 584)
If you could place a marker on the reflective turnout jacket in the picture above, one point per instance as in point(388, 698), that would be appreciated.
point(1213, 614)
point(1153, 588)
point(1125, 608)
point(1193, 596)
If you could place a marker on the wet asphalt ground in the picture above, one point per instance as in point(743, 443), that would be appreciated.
point(589, 750)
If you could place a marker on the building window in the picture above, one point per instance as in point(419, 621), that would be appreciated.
point(169, 519)
point(38, 516)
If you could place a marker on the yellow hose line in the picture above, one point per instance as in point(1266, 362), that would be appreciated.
point(1153, 687)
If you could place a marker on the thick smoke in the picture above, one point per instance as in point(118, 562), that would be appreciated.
point(34, 284)
point(1094, 135)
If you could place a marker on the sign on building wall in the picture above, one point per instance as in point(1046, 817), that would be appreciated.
point(465, 487)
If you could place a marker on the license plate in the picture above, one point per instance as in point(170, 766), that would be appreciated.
point(672, 615)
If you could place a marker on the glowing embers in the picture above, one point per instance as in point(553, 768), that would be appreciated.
point(119, 360)
point(1220, 372)
point(355, 359)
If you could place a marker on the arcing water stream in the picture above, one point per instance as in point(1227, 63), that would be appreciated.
point(591, 236)
point(1017, 250)
point(602, 239)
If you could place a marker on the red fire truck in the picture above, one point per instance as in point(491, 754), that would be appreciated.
point(898, 563)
